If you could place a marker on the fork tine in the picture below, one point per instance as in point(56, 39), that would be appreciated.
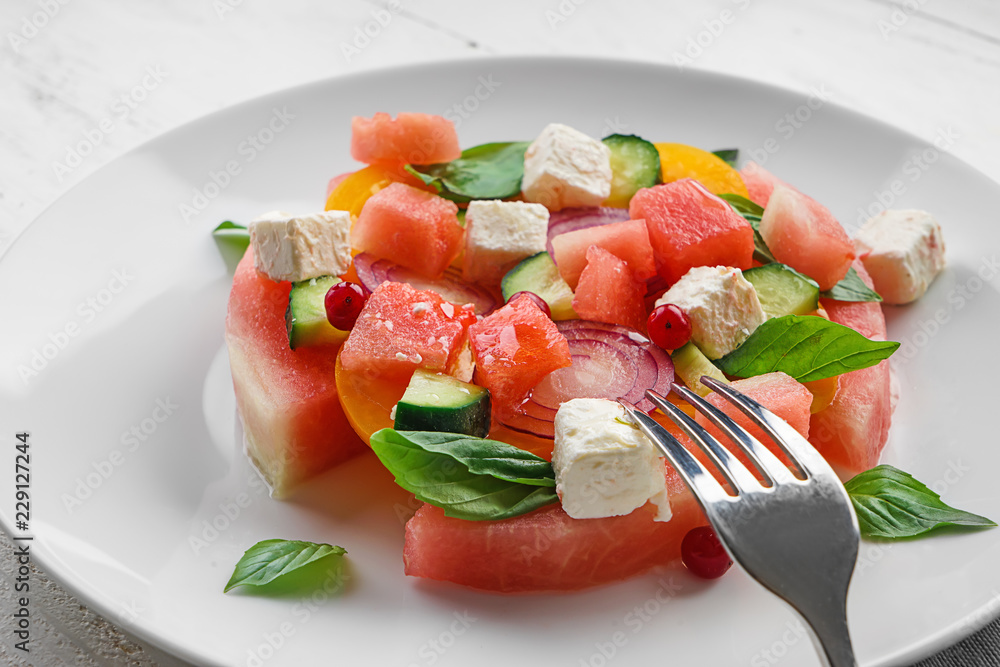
point(735, 472)
point(799, 450)
point(701, 482)
point(767, 463)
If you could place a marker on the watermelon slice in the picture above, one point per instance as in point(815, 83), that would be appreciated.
point(410, 227)
point(414, 138)
point(760, 183)
point(628, 240)
point(689, 226)
point(853, 430)
point(546, 550)
point(287, 399)
point(803, 234)
point(609, 292)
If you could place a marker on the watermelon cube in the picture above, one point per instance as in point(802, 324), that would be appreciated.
point(609, 292)
point(401, 329)
point(760, 183)
point(410, 227)
point(689, 226)
point(288, 401)
point(414, 138)
point(803, 234)
point(628, 240)
point(514, 347)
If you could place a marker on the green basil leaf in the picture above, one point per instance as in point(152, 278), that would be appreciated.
point(470, 478)
point(752, 212)
point(806, 347)
point(232, 241)
point(728, 155)
point(488, 171)
point(268, 560)
point(851, 288)
point(892, 504)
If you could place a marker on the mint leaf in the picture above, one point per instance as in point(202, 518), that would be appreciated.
point(470, 478)
point(806, 347)
point(752, 213)
point(728, 155)
point(892, 504)
point(851, 288)
point(271, 559)
point(488, 171)
point(232, 240)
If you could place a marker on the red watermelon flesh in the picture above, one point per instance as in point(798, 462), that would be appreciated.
point(514, 348)
point(609, 292)
point(546, 550)
point(853, 430)
point(414, 138)
point(803, 234)
point(689, 226)
point(410, 227)
point(401, 329)
point(627, 240)
point(760, 183)
point(287, 399)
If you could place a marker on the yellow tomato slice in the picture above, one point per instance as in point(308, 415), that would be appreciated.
point(679, 161)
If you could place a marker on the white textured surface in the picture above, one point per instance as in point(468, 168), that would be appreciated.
point(100, 76)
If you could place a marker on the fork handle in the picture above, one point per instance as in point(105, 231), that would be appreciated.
point(831, 635)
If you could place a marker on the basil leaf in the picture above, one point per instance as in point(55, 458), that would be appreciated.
point(851, 288)
point(232, 240)
point(806, 347)
point(470, 478)
point(728, 155)
point(752, 213)
point(891, 504)
point(268, 560)
point(488, 171)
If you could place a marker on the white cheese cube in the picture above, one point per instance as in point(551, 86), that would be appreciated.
point(604, 467)
point(498, 235)
point(287, 247)
point(903, 251)
point(564, 167)
point(723, 307)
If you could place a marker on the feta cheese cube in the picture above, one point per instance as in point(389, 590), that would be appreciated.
point(498, 235)
point(722, 304)
point(564, 167)
point(287, 247)
point(903, 251)
point(604, 467)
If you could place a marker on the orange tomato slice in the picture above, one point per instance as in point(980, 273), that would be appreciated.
point(679, 161)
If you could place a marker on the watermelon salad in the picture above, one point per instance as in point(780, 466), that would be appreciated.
point(473, 317)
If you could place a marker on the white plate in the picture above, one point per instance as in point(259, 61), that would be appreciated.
point(119, 301)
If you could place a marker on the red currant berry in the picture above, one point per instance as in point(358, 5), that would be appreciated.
point(539, 301)
point(669, 326)
point(343, 304)
point(703, 554)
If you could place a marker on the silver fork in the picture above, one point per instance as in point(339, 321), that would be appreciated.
point(798, 537)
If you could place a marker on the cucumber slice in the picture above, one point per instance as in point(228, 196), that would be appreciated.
point(436, 402)
point(305, 317)
point(782, 290)
point(635, 164)
point(539, 274)
point(690, 364)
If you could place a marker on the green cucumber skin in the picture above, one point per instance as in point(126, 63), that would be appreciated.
point(472, 420)
point(638, 166)
point(538, 274)
point(305, 317)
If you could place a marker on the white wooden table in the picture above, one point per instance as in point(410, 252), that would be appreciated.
point(108, 74)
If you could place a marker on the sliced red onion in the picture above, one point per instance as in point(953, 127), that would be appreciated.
point(373, 271)
point(572, 219)
point(609, 361)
